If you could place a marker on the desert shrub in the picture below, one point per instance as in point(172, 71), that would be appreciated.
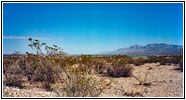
point(80, 82)
point(40, 67)
point(132, 93)
point(124, 58)
point(13, 80)
point(119, 68)
point(34, 67)
point(45, 67)
point(13, 76)
point(175, 59)
point(161, 59)
point(139, 61)
point(84, 59)
point(46, 71)
point(9, 60)
point(142, 80)
point(69, 61)
point(151, 59)
point(100, 65)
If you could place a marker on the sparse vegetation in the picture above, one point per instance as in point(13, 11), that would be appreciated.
point(77, 76)
point(163, 60)
point(142, 79)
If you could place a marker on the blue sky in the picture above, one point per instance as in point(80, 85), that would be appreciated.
point(88, 28)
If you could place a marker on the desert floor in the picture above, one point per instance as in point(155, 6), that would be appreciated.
point(161, 81)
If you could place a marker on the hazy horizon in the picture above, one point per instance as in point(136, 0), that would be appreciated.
point(93, 53)
point(90, 28)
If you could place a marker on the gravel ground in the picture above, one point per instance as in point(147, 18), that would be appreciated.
point(162, 81)
point(35, 92)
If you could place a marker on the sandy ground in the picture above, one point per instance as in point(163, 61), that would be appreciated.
point(161, 81)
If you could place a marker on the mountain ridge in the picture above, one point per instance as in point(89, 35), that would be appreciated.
point(149, 49)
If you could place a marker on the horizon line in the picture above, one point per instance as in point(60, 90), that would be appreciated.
point(104, 51)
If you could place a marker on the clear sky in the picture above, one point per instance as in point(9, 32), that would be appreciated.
point(90, 28)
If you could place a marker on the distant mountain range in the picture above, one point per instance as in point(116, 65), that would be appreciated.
point(161, 49)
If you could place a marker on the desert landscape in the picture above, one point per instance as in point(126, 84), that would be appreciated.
point(93, 49)
point(163, 81)
point(56, 74)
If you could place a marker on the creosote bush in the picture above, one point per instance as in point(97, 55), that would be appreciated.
point(13, 76)
point(80, 82)
point(100, 65)
point(139, 61)
point(13, 80)
point(119, 68)
point(45, 68)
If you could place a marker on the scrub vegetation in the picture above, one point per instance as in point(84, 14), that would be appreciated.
point(74, 76)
